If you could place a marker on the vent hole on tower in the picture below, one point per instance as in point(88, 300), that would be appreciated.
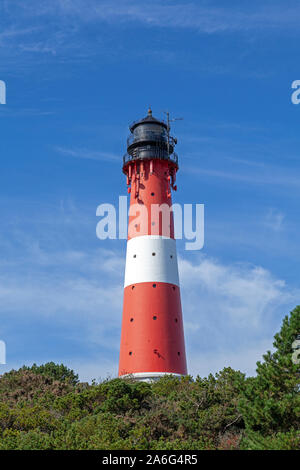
point(171, 256)
point(174, 288)
point(178, 353)
point(153, 285)
point(132, 287)
point(176, 320)
point(153, 223)
point(153, 254)
point(131, 319)
point(134, 256)
point(154, 317)
point(130, 353)
point(152, 194)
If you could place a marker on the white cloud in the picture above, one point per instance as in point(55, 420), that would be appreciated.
point(231, 312)
point(244, 359)
point(274, 220)
point(240, 293)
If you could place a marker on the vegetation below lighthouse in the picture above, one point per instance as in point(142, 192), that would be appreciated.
point(46, 407)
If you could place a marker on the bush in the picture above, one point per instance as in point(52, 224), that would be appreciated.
point(45, 407)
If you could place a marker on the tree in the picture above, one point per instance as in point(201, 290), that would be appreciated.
point(271, 400)
point(55, 371)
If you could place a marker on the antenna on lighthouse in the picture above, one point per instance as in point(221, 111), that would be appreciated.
point(168, 126)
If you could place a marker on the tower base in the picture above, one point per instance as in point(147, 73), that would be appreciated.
point(148, 376)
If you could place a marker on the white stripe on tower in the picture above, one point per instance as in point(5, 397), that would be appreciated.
point(151, 258)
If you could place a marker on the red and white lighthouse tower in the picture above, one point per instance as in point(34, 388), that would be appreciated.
point(152, 339)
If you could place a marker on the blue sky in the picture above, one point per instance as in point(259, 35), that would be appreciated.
point(77, 73)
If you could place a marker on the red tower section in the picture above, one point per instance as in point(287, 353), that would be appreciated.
point(152, 339)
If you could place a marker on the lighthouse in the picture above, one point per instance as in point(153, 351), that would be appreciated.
point(152, 337)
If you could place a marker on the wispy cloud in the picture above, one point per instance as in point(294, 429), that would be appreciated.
point(88, 154)
point(73, 289)
point(274, 220)
point(13, 32)
point(200, 16)
point(265, 175)
point(62, 22)
point(23, 112)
